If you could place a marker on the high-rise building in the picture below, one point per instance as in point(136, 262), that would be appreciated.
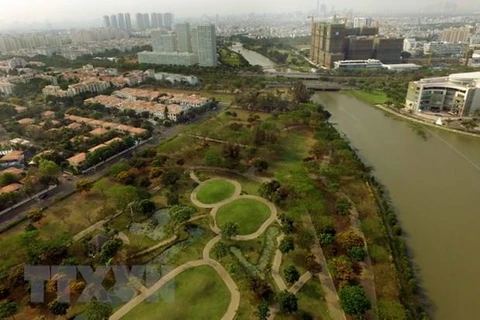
point(146, 20)
point(121, 21)
point(160, 20)
point(153, 20)
point(206, 45)
point(139, 21)
point(184, 43)
point(113, 21)
point(332, 42)
point(106, 21)
point(455, 34)
point(168, 20)
point(164, 42)
point(128, 23)
point(360, 22)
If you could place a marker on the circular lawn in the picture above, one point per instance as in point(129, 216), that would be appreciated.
point(249, 214)
point(215, 191)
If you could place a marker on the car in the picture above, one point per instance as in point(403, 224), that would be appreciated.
point(42, 196)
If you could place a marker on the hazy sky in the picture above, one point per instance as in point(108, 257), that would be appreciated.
point(80, 10)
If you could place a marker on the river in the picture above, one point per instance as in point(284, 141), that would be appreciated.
point(433, 178)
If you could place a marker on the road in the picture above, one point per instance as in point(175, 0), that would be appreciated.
point(67, 186)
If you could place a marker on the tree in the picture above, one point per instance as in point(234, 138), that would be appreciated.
point(172, 197)
point(126, 178)
point(287, 245)
point(260, 165)
point(84, 185)
point(312, 265)
point(343, 206)
point(220, 250)
point(288, 302)
point(35, 214)
point(58, 308)
point(49, 168)
point(8, 309)
point(300, 92)
point(230, 229)
point(170, 178)
point(261, 289)
point(349, 239)
point(7, 178)
point(291, 274)
point(101, 186)
point(110, 249)
point(354, 301)
point(98, 310)
point(181, 214)
point(342, 270)
point(145, 207)
point(263, 312)
point(357, 253)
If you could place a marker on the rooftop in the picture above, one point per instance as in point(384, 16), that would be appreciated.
point(77, 159)
point(10, 188)
point(98, 131)
point(12, 156)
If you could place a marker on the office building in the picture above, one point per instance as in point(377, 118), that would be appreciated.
point(183, 37)
point(106, 21)
point(206, 45)
point(113, 21)
point(168, 20)
point(153, 20)
point(360, 22)
point(457, 94)
point(444, 49)
point(370, 64)
point(455, 35)
point(332, 42)
point(128, 23)
point(409, 44)
point(160, 20)
point(121, 21)
point(186, 47)
point(164, 42)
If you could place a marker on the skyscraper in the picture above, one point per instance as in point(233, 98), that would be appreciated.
point(164, 42)
point(184, 43)
point(168, 20)
point(205, 45)
point(139, 21)
point(153, 20)
point(128, 23)
point(121, 21)
point(159, 20)
point(113, 21)
point(106, 21)
point(146, 20)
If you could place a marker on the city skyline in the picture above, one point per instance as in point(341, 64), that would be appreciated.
point(87, 11)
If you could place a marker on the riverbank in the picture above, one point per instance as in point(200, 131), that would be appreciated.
point(377, 100)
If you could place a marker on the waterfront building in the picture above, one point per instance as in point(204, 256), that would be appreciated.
point(184, 43)
point(169, 58)
point(206, 45)
point(457, 94)
point(358, 64)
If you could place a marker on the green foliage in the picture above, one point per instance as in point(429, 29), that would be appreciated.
point(305, 239)
point(58, 308)
point(181, 214)
point(288, 302)
point(357, 253)
point(354, 301)
point(247, 265)
point(291, 274)
point(110, 249)
point(230, 229)
point(343, 206)
point(263, 312)
point(118, 167)
point(145, 207)
point(349, 238)
point(49, 168)
point(172, 197)
point(8, 309)
point(84, 185)
point(97, 310)
point(213, 158)
point(170, 178)
point(123, 195)
point(35, 215)
point(7, 178)
point(260, 165)
point(287, 245)
point(300, 92)
point(391, 310)
point(341, 269)
point(220, 250)
point(126, 178)
point(326, 238)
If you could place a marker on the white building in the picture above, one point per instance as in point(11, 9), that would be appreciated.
point(173, 58)
point(458, 94)
point(164, 42)
point(444, 48)
point(358, 64)
point(184, 42)
point(204, 44)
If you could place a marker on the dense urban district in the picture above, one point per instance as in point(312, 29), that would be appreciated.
point(177, 152)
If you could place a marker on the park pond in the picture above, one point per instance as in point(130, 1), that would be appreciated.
point(153, 227)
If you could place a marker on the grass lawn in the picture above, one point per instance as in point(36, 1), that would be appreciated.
point(215, 191)
point(248, 213)
point(197, 293)
point(375, 97)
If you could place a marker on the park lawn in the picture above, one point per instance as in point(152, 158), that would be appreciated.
point(215, 191)
point(375, 97)
point(249, 214)
point(175, 144)
point(311, 300)
point(197, 293)
point(248, 186)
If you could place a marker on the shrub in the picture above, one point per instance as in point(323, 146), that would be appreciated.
point(357, 253)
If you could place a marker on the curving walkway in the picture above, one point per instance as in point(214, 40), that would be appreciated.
point(155, 247)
